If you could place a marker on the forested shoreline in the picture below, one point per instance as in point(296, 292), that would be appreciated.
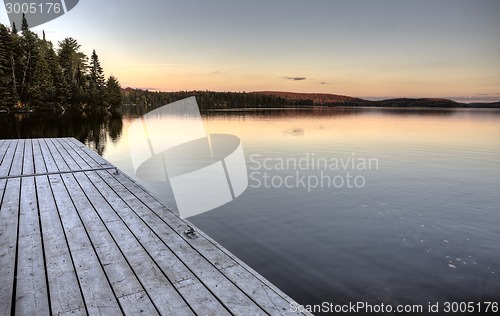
point(34, 75)
point(273, 99)
point(205, 99)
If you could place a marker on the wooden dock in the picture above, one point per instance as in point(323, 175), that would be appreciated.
point(76, 237)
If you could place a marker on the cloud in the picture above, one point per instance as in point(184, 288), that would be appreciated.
point(218, 73)
point(295, 78)
point(323, 83)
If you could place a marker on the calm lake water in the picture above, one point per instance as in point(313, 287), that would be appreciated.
point(369, 205)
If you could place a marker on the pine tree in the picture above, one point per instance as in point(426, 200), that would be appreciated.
point(97, 81)
point(24, 24)
point(62, 90)
point(79, 88)
point(113, 94)
point(32, 73)
point(73, 65)
point(29, 47)
point(42, 90)
point(14, 28)
point(7, 94)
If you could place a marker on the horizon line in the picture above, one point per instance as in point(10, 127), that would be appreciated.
point(458, 99)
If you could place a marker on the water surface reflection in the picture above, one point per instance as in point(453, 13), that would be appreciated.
point(423, 229)
point(93, 129)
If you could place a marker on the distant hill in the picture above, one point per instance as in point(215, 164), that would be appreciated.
point(424, 102)
point(260, 99)
point(342, 100)
point(315, 98)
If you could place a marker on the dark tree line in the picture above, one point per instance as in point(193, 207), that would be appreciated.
point(35, 75)
point(208, 99)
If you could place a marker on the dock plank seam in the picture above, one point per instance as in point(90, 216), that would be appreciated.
point(69, 163)
point(82, 202)
point(269, 286)
point(88, 200)
point(16, 256)
point(31, 286)
point(64, 184)
point(9, 234)
point(50, 163)
point(5, 144)
point(179, 235)
point(39, 163)
point(3, 185)
point(62, 279)
point(67, 245)
point(81, 151)
point(7, 167)
point(237, 261)
point(179, 283)
point(56, 173)
point(61, 164)
point(82, 164)
point(140, 243)
point(193, 274)
point(102, 244)
point(18, 156)
point(118, 247)
point(44, 254)
point(28, 162)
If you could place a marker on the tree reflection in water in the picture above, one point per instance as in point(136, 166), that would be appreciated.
point(92, 129)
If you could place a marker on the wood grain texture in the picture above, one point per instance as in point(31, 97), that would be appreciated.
point(79, 240)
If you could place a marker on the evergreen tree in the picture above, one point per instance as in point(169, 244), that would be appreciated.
point(42, 90)
point(14, 28)
point(73, 64)
point(62, 89)
point(97, 81)
point(15, 59)
point(31, 73)
point(24, 24)
point(79, 88)
point(7, 95)
point(113, 94)
point(27, 60)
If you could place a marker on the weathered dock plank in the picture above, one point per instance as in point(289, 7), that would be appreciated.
point(4, 145)
point(16, 168)
point(38, 159)
point(28, 163)
point(61, 164)
point(110, 256)
point(64, 289)
point(185, 282)
point(31, 289)
point(97, 293)
point(9, 215)
point(50, 164)
point(263, 294)
point(8, 158)
point(76, 237)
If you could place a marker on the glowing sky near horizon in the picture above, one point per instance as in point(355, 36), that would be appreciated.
point(374, 49)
